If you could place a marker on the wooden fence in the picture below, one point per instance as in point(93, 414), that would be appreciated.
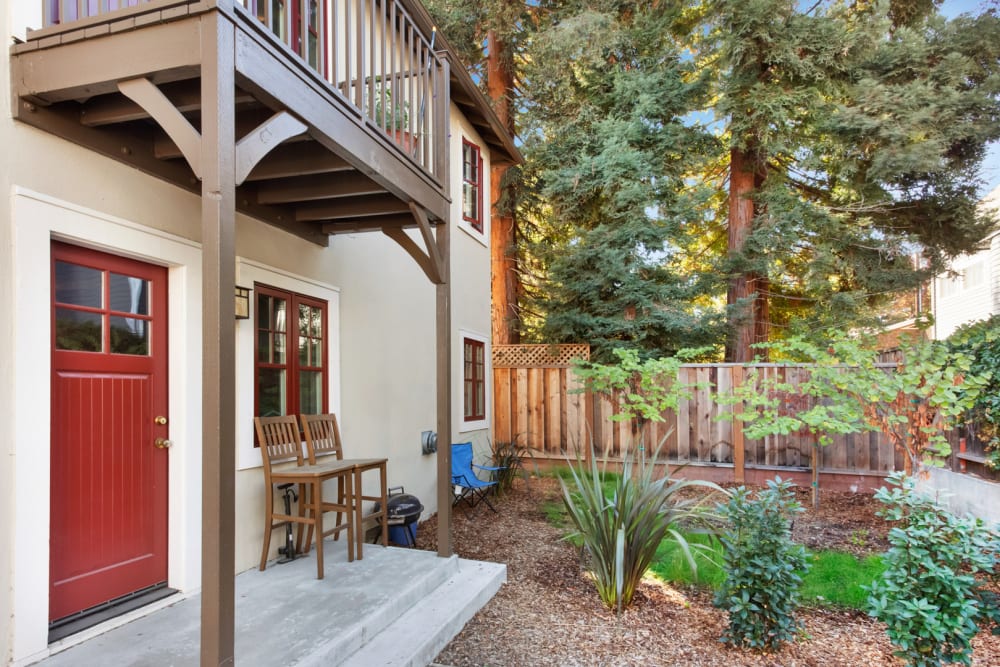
point(539, 403)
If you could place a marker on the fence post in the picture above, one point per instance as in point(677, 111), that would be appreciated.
point(739, 450)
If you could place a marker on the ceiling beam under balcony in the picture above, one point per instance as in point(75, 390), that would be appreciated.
point(184, 95)
point(357, 207)
point(298, 159)
point(311, 188)
point(374, 224)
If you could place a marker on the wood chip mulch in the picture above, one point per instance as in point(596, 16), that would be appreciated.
point(548, 612)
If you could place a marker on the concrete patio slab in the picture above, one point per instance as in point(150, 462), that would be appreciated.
point(394, 607)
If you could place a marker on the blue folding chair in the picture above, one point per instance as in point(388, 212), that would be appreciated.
point(467, 485)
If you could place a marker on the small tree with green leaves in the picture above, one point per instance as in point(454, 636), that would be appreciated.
point(641, 390)
point(926, 393)
point(817, 406)
point(981, 341)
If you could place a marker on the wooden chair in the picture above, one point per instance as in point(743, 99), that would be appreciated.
point(280, 442)
point(323, 441)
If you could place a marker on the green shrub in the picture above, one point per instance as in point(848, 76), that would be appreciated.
point(981, 341)
point(621, 529)
point(928, 596)
point(763, 567)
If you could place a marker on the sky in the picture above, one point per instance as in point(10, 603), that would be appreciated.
point(991, 165)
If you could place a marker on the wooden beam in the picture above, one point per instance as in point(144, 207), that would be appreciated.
point(443, 336)
point(373, 224)
point(411, 247)
point(437, 275)
point(112, 109)
point(355, 207)
point(264, 138)
point(163, 53)
point(298, 159)
point(246, 121)
point(173, 122)
point(218, 374)
point(310, 188)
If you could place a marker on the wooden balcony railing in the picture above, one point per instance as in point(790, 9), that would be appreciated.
point(371, 52)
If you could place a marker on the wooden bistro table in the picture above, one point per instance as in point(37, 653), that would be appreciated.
point(312, 476)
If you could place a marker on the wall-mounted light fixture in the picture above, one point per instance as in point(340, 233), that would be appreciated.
point(242, 303)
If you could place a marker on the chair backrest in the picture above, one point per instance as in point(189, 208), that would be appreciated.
point(279, 440)
point(461, 459)
point(322, 436)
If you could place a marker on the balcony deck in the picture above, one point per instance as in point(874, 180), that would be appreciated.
point(359, 129)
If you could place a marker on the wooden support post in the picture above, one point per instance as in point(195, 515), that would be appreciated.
point(739, 447)
point(443, 336)
point(218, 231)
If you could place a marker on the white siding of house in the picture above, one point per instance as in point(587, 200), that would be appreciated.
point(973, 291)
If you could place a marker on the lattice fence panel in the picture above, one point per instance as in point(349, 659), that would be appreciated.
point(539, 356)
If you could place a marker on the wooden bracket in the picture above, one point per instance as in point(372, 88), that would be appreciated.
point(264, 138)
point(431, 261)
point(144, 93)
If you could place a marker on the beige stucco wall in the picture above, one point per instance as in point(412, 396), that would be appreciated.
point(382, 308)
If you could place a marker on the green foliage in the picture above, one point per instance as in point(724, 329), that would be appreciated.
point(623, 529)
point(641, 389)
point(981, 342)
point(610, 153)
point(671, 562)
point(763, 567)
point(928, 596)
point(509, 457)
point(817, 405)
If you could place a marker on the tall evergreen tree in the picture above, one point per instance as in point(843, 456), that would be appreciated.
point(612, 161)
point(856, 133)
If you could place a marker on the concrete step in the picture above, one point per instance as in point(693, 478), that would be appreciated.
point(367, 622)
point(419, 634)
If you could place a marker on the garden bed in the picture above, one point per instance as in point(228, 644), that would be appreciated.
point(548, 613)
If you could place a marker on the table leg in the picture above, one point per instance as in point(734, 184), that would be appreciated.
point(317, 493)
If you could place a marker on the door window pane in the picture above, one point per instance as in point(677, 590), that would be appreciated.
point(129, 295)
point(129, 335)
point(78, 330)
point(78, 285)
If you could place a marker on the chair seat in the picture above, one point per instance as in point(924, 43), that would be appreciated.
point(469, 486)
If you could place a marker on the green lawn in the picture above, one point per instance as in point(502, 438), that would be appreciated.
point(834, 577)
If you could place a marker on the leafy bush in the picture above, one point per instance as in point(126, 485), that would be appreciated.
point(928, 596)
point(763, 567)
point(622, 529)
point(981, 341)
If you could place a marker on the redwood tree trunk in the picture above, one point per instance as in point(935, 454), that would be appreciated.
point(503, 228)
point(749, 324)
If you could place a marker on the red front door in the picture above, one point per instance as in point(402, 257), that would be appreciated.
point(108, 515)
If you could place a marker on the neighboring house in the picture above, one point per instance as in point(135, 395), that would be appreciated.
point(970, 291)
point(157, 155)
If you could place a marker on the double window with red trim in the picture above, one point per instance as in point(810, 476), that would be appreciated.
point(290, 367)
point(472, 185)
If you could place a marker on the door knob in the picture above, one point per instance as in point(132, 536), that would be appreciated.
point(161, 443)
point(162, 421)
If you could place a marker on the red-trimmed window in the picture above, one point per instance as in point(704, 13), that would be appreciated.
point(291, 362)
point(474, 378)
point(472, 185)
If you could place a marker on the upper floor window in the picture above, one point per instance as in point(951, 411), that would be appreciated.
point(472, 185)
point(291, 362)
